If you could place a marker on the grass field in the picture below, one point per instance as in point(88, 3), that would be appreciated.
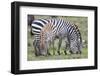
point(83, 27)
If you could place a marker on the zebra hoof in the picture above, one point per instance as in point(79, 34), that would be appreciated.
point(78, 52)
point(65, 52)
point(71, 52)
point(36, 54)
point(59, 53)
point(49, 54)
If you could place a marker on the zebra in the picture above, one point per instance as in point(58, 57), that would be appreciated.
point(46, 30)
point(36, 28)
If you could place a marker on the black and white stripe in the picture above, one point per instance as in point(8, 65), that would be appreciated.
point(61, 29)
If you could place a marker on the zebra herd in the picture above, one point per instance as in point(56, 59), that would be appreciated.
point(46, 31)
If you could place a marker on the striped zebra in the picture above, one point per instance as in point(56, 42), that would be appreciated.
point(36, 28)
point(47, 30)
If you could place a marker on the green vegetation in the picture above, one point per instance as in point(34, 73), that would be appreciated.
point(81, 22)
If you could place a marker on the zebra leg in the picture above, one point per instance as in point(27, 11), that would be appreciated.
point(36, 49)
point(65, 51)
point(37, 52)
point(59, 45)
point(53, 48)
point(48, 52)
point(48, 49)
point(51, 45)
point(78, 52)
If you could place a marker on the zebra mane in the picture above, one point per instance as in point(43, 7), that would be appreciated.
point(78, 31)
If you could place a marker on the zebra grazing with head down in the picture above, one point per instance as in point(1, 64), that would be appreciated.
point(36, 28)
point(46, 30)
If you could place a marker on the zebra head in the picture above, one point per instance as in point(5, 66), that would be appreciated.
point(44, 45)
point(41, 47)
point(75, 40)
point(75, 47)
point(45, 39)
